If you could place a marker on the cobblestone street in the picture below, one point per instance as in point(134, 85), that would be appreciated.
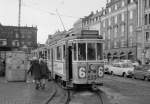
point(22, 93)
point(126, 90)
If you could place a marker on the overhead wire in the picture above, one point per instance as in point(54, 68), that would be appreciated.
point(51, 13)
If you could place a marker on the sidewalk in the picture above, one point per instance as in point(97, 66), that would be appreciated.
point(22, 93)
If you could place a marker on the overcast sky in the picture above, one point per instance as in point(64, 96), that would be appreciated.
point(42, 13)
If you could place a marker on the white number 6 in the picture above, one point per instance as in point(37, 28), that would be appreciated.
point(82, 73)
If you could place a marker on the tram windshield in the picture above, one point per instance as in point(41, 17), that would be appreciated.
point(88, 51)
point(81, 51)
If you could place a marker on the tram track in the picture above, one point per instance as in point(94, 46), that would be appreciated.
point(54, 96)
point(99, 96)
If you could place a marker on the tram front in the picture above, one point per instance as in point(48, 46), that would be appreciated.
point(87, 61)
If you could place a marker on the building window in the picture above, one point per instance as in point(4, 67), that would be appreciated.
point(109, 34)
point(109, 45)
point(122, 17)
point(123, 3)
point(109, 10)
point(29, 36)
point(122, 30)
point(104, 46)
point(104, 35)
point(146, 18)
point(15, 43)
point(122, 43)
point(149, 18)
point(104, 23)
point(29, 43)
point(17, 35)
point(22, 35)
point(145, 3)
point(109, 1)
point(22, 43)
point(115, 44)
point(130, 30)
point(131, 14)
point(3, 42)
point(116, 19)
point(131, 42)
point(115, 6)
point(109, 21)
point(147, 36)
point(129, 1)
point(115, 32)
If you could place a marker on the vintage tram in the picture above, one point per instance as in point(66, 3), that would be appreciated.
point(74, 59)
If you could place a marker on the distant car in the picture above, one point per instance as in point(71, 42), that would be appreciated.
point(142, 72)
point(122, 69)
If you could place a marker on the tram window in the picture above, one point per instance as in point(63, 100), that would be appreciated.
point(64, 49)
point(99, 51)
point(40, 54)
point(59, 53)
point(49, 56)
point(82, 51)
point(75, 51)
point(45, 55)
point(91, 53)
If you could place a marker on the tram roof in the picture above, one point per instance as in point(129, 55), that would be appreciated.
point(81, 34)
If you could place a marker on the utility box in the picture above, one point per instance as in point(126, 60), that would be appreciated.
point(16, 66)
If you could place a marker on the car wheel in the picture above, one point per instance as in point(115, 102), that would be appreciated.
point(134, 77)
point(146, 78)
point(111, 72)
point(124, 74)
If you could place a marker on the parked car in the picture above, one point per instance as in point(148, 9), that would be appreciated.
point(121, 68)
point(142, 72)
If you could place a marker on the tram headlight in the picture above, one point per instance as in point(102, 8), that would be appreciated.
point(82, 72)
point(100, 71)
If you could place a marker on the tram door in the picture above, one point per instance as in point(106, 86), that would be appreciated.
point(70, 61)
point(2, 62)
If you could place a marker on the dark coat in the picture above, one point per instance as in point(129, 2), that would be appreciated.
point(35, 70)
point(44, 69)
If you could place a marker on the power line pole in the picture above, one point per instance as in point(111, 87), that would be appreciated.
point(19, 23)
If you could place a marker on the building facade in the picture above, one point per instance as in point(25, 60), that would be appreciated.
point(14, 38)
point(118, 26)
point(143, 30)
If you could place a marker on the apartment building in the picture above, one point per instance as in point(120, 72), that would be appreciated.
point(118, 27)
point(143, 30)
point(12, 38)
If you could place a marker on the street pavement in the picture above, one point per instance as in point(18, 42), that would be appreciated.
point(22, 92)
point(126, 90)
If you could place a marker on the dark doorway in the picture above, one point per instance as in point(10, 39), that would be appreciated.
point(70, 62)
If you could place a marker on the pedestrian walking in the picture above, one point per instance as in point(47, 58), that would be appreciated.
point(35, 71)
point(44, 72)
